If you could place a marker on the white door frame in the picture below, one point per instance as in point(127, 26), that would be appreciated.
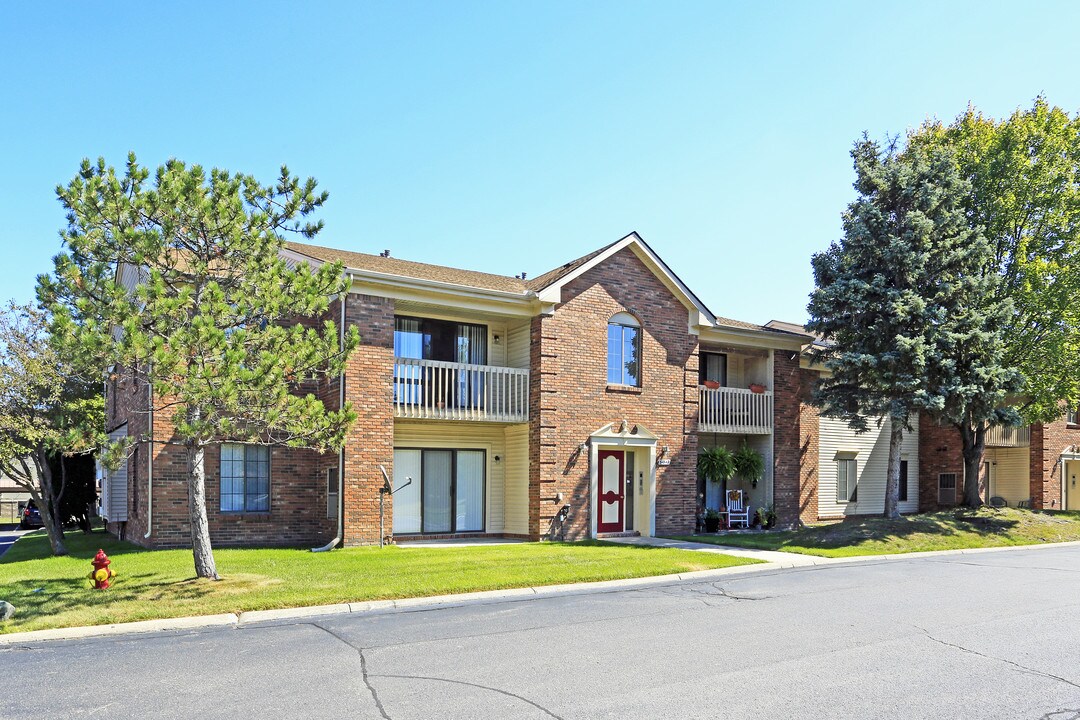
point(620, 437)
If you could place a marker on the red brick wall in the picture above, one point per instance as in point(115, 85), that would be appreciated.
point(794, 465)
point(369, 387)
point(298, 512)
point(1048, 441)
point(939, 452)
point(571, 398)
point(809, 447)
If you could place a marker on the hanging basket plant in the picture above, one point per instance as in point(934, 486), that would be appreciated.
point(749, 464)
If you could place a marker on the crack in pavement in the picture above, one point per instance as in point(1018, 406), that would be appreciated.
point(538, 706)
point(363, 668)
point(366, 676)
point(1060, 714)
point(1020, 668)
point(972, 563)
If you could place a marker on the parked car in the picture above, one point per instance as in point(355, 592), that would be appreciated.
point(31, 517)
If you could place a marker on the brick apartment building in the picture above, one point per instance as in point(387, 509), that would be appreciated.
point(569, 405)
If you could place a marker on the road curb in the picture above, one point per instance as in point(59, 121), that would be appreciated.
point(141, 626)
point(374, 607)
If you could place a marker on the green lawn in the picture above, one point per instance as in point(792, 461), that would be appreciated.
point(50, 592)
point(949, 530)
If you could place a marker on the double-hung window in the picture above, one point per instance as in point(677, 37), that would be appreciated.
point(846, 479)
point(624, 350)
point(245, 478)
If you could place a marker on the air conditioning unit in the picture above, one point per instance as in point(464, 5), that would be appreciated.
point(947, 489)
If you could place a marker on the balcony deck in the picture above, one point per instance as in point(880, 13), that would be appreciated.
point(735, 410)
point(438, 390)
point(1002, 436)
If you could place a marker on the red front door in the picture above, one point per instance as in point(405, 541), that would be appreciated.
point(610, 492)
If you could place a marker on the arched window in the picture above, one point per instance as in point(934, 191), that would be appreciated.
point(624, 350)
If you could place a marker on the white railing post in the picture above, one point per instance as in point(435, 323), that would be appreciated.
point(434, 389)
point(735, 410)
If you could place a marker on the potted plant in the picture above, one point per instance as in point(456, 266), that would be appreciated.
point(757, 388)
point(749, 464)
point(711, 384)
point(712, 520)
point(765, 517)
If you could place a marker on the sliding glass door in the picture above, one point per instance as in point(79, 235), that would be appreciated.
point(446, 341)
point(446, 494)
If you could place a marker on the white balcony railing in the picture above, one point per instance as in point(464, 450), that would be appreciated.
point(437, 390)
point(1003, 436)
point(735, 410)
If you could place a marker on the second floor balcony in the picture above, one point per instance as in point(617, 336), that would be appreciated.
point(735, 410)
point(1008, 436)
point(440, 390)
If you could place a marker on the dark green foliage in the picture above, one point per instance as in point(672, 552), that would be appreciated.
point(1024, 175)
point(900, 301)
point(221, 327)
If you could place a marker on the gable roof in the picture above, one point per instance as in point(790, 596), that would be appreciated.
point(549, 285)
point(552, 276)
point(407, 268)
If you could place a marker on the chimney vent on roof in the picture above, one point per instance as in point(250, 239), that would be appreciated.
point(384, 253)
point(522, 276)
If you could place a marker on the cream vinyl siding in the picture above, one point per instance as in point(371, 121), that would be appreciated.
point(518, 338)
point(516, 479)
point(465, 436)
point(114, 485)
point(871, 454)
point(1011, 473)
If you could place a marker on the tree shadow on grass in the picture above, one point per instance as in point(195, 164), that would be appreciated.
point(857, 531)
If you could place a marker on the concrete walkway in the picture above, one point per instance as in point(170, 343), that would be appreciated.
point(783, 559)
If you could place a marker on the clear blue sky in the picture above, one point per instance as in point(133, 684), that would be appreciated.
point(511, 136)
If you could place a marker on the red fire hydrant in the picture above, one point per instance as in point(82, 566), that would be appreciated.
point(101, 573)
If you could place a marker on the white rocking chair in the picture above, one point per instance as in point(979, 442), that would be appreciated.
point(737, 511)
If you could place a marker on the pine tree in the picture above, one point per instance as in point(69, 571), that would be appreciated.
point(218, 325)
point(895, 300)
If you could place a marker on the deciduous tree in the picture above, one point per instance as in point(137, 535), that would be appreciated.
point(1024, 195)
point(48, 407)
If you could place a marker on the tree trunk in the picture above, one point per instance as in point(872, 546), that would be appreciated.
point(892, 478)
point(200, 527)
point(48, 504)
point(973, 443)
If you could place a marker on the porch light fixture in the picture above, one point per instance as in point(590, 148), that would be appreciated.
point(496, 339)
point(498, 459)
point(582, 447)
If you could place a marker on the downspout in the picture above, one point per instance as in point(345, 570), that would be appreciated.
point(341, 455)
point(150, 462)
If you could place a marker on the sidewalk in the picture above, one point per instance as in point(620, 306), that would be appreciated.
point(783, 559)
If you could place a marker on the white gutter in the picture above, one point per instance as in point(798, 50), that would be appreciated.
point(341, 455)
point(150, 463)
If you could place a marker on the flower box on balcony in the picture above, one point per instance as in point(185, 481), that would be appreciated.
point(757, 388)
point(711, 384)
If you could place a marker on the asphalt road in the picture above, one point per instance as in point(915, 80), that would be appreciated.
point(993, 635)
point(8, 535)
